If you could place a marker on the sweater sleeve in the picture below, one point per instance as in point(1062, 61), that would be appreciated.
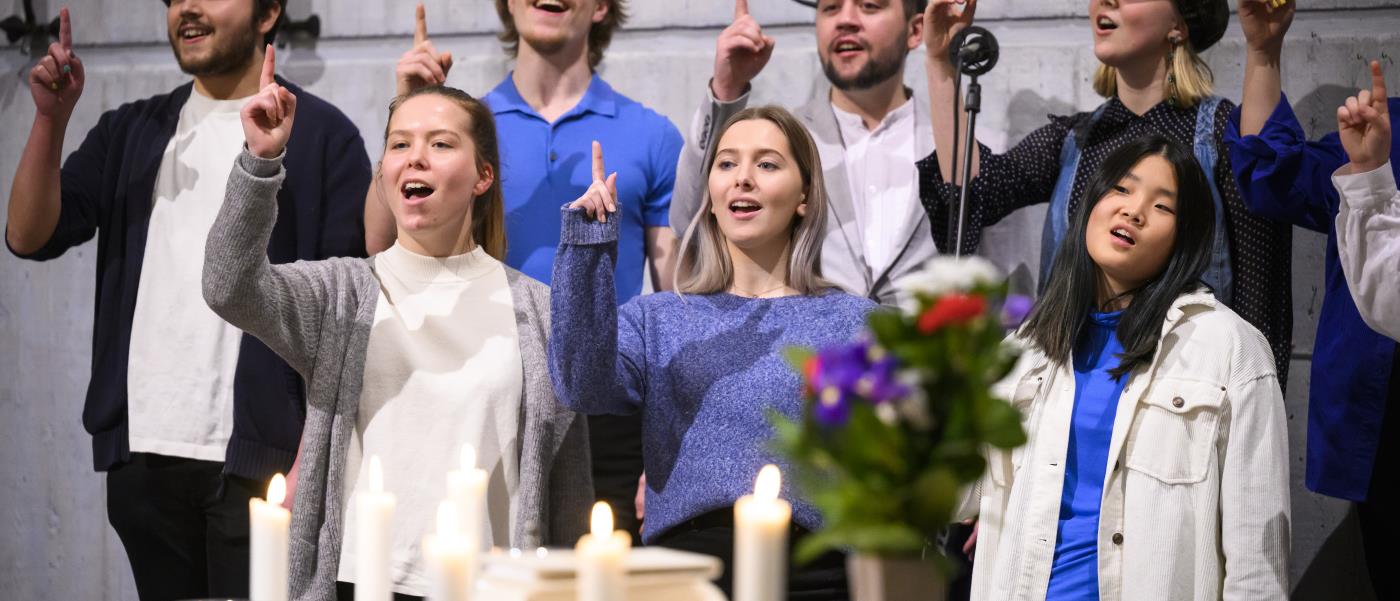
point(1254, 501)
point(593, 358)
point(279, 304)
point(689, 192)
point(1368, 245)
point(1283, 176)
point(1023, 176)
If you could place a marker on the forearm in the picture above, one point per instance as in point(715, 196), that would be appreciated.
point(1368, 246)
point(35, 193)
point(942, 86)
point(584, 361)
point(1262, 89)
point(661, 257)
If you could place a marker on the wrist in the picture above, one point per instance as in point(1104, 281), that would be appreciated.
point(1268, 55)
point(52, 124)
point(726, 91)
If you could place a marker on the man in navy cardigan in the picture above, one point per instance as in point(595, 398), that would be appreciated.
point(1355, 390)
point(188, 416)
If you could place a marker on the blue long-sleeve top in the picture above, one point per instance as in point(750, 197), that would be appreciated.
point(1285, 177)
point(703, 370)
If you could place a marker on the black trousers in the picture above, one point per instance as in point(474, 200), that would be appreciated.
point(615, 446)
point(184, 525)
point(1380, 526)
point(824, 579)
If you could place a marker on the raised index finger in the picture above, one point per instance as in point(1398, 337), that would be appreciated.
point(269, 67)
point(741, 9)
point(1378, 88)
point(420, 27)
point(598, 173)
point(65, 29)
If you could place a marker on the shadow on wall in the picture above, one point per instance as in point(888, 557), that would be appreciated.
point(1338, 562)
point(308, 68)
point(1317, 110)
point(1013, 244)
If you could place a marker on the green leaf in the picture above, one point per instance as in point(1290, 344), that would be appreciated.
point(1001, 424)
point(797, 356)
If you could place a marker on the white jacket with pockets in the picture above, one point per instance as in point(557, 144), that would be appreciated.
point(1196, 490)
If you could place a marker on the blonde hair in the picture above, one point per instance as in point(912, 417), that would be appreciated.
point(1189, 78)
point(705, 266)
point(489, 209)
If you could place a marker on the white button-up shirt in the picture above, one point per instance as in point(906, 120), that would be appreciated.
point(884, 181)
point(1368, 244)
point(1195, 500)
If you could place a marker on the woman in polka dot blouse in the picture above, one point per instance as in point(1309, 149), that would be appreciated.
point(1155, 82)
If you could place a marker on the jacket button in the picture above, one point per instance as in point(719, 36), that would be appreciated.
point(1178, 403)
point(1117, 538)
point(553, 156)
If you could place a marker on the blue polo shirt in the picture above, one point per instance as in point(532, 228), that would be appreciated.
point(545, 165)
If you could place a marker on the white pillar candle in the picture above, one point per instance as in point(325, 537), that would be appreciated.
point(761, 540)
point(467, 489)
point(602, 573)
point(375, 513)
point(268, 524)
point(449, 558)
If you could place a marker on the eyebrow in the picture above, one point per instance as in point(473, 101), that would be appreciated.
point(436, 132)
point(756, 151)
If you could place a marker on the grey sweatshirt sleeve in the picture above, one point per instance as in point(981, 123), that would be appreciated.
point(690, 169)
point(279, 304)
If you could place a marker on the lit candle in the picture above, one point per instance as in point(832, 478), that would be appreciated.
point(761, 540)
point(449, 558)
point(375, 513)
point(601, 555)
point(467, 489)
point(268, 522)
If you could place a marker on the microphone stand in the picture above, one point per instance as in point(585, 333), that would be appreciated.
point(973, 52)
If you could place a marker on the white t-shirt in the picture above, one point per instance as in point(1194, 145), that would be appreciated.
point(182, 356)
point(443, 368)
point(884, 180)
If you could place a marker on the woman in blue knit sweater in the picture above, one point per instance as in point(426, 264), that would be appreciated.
point(703, 365)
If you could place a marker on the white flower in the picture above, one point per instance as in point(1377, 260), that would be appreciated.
point(943, 274)
point(914, 406)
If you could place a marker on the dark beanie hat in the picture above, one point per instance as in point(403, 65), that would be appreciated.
point(1206, 20)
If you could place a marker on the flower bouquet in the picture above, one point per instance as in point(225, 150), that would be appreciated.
point(895, 423)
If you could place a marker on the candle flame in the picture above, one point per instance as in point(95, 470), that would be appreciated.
point(277, 490)
point(468, 457)
point(602, 520)
point(447, 526)
point(376, 475)
point(768, 482)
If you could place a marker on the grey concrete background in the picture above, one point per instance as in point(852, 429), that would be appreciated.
point(54, 539)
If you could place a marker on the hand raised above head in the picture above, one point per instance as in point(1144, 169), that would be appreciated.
point(1265, 22)
point(943, 19)
point(1363, 124)
point(268, 115)
point(741, 52)
point(56, 81)
point(422, 65)
point(601, 197)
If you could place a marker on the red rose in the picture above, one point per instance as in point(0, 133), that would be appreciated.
point(951, 309)
point(810, 368)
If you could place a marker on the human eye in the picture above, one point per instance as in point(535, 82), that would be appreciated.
point(1161, 206)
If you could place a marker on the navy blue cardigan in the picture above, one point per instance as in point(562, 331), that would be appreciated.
point(107, 189)
point(1285, 177)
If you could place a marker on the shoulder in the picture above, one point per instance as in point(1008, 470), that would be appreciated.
point(147, 108)
point(841, 302)
point(643, 120)
point(1219, 339)
point(525, 287)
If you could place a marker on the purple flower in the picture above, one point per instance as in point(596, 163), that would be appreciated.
point(1015, 310)
point(844, 373)
point(832, 407)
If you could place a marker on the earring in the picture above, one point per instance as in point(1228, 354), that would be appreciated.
point(1173, 96)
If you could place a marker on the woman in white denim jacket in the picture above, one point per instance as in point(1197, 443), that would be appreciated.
point(1167, 478)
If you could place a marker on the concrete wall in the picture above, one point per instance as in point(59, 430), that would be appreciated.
point(54, 540)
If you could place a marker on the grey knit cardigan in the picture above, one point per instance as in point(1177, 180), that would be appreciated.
point(317, 315)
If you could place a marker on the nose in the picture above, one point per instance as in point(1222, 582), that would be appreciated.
point(417, 157)
point(743, 178)
point(848, 16)
point(1132, 211)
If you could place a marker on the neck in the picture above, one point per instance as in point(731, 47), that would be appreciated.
point(438, 244)
point(240, 83)
point(1142, 84)
point(552, 83)
point(873, 103)
point(1112, 295)
point(760, 272)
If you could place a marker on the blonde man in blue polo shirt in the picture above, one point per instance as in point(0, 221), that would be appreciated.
point(548, 112)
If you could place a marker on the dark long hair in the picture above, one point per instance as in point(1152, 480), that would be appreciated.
point(1071, 292)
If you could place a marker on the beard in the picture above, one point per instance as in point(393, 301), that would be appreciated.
point(227, 56)
point(877, 70)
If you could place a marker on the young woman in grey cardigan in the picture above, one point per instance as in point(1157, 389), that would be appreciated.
point(409, 354)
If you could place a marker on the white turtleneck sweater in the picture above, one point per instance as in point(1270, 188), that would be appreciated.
point(443, 368)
